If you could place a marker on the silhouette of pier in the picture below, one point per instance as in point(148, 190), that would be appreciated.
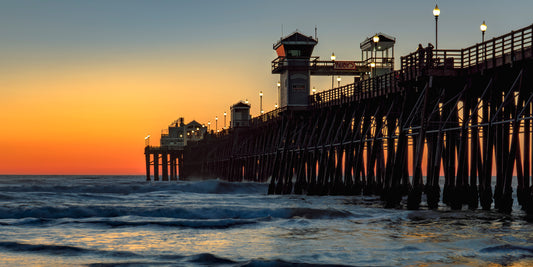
point(463, 116)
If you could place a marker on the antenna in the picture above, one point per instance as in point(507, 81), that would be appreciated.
point(316, 37)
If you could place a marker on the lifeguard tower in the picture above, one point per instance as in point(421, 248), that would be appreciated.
point(294, 55)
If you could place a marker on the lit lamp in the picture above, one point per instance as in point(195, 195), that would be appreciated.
point(261, 101)
point(375, 39)
point(147, 140)
point(276, 105)
point(333, 57)
point(483, 28)
point(314, 90)
point(209, 125)
point(224, 120)
point(246, 101)
point(216, 124)
point(436, 13)
point(339, 81)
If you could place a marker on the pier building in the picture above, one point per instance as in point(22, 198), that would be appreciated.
point(168, 157)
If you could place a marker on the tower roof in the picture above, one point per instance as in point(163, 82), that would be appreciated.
point(296, 38)
point(240, 104)
point(385, 42)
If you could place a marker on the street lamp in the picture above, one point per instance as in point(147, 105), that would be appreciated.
point(483, 28)
point(333, 57)
point(209, 125)
point(375, 39)
point(246, 101)
point(279, 91)
point(261, 101)
point(216, 124)
point(224, 120)
point(314, 90)
point(276, 105)
point(436, 13)
point(147, 140)
point(339, 81)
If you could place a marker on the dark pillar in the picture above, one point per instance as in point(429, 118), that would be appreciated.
point(156, 166)
point(147, 157)
point(164, 166)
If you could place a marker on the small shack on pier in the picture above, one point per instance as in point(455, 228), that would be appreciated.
point(240, 115)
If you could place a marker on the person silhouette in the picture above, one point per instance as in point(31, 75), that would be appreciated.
point(421, 54)
point(429, 54)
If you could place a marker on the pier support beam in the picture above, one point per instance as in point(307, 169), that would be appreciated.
point(164, 166)
point(147, 159)
point(156, 166)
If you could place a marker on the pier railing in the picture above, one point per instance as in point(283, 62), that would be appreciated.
point(505, 49)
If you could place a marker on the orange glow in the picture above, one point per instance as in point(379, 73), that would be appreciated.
point(91, 117)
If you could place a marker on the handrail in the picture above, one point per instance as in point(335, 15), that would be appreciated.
point(496, 51)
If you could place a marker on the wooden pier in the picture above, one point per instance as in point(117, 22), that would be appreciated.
point(463, 114)
point(166, 159)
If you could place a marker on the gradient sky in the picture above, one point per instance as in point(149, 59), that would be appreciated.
point(83, 82)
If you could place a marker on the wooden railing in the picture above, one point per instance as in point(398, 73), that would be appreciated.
point(516, 45)
point(267, 116)
point(378, 86)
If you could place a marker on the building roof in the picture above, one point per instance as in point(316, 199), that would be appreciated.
point(296, 38)
point(385, 42)
point(240, 104)
point(194, 123)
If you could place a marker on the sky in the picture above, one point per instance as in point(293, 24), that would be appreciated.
point(83, 82)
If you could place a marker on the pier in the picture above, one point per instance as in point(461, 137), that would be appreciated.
point(464, 115)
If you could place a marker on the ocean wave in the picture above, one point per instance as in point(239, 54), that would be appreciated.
point(507, 249)
point(60, 250)
point(200, 224)
point(124, 258)
point(133, 187)
point(35, 215)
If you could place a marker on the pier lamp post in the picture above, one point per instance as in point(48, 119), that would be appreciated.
point(209, 126)
point(224, 120)
point(276, 106)
point(483, 28)
point(333, 57)
point(375, 40)
point(339, 81)
point(261, 101)
point(314, 90)
point(436, 13)
point(279, 91)
point(216, 124)
point(147, 140)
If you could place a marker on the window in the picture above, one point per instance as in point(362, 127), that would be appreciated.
point(294, 53)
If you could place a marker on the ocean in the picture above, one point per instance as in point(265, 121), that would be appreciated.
point(126, 221)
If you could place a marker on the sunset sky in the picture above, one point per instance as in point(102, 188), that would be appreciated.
point(83, 82)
